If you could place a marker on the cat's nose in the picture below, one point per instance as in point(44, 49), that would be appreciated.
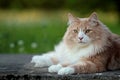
point(80, 38)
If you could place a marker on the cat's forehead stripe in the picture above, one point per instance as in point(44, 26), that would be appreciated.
point(81, 30)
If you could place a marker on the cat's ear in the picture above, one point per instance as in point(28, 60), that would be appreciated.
point(71, 18)
point(93, 16)
point(93, 19)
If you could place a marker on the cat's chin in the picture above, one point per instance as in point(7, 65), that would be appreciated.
point(83, 44)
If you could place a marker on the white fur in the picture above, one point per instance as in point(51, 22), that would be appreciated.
point(63, 54)
point(54, 68)
point(41, 61)
point(66, 71)
point(81, 33)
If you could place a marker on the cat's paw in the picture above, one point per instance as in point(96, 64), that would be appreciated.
point(35, 59)
point(38, 60)
point(41, 61)
point(66, 71)
point(54, 68)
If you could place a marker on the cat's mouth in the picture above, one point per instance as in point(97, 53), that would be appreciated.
point(84, 41)
point(83, 44)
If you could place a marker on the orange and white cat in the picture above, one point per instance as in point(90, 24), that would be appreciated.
point(88, 46)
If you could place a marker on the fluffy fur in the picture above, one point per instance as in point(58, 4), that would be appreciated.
point(88, 46)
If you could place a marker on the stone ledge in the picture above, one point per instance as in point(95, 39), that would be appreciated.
point(54, 77)
point(17, 67)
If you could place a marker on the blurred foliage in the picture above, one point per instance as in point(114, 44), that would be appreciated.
point(79, 5)
point(29, 31)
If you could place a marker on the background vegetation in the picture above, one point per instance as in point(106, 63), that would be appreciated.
point(35, 26)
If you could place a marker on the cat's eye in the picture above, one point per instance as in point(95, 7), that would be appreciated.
point(87, 31)
point(75, 31)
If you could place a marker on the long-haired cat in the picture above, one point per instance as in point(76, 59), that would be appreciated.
point(88, 46)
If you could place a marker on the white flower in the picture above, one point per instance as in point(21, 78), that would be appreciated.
point(20, 42)
point(12, 45)
point(34, 45)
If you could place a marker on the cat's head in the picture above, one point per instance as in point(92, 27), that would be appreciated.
point(85, 31)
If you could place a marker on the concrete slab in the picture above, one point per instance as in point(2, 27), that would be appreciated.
point(18, 67)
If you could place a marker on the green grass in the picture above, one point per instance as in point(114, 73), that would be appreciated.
point(45, 36)
point(44, 33)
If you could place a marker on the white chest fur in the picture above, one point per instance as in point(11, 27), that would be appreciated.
point(75, 54)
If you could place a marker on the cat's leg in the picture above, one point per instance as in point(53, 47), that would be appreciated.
point(47, 59)
point(114, 63)
point(57, 67)
point(82, 67)
point(54, 68)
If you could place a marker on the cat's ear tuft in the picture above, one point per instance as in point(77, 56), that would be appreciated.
point(93, 19)
point(71, 18)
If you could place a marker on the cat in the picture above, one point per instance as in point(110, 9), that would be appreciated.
point(88, 46)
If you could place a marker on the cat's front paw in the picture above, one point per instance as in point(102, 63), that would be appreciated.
point(41, 61)
point(66, 71)
point(35, 59)
point(54, 68)
point(38, 60)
